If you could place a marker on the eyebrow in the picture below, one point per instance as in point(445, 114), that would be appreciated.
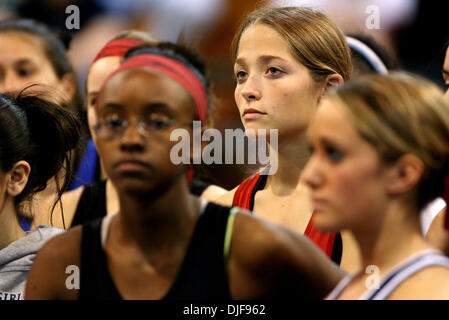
point(148, 108)
point(159, 106)
point(24, 61)
point(331, 142)
point(263, 58)
point(113, 106)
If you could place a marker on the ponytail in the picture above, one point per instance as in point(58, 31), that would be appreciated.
point(41, 132)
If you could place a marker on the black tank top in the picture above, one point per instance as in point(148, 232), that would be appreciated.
point(202, 276)
point(92, 203)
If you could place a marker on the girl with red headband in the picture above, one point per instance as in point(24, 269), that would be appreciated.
point(165, 243)
point(95, 196)
point(100, 198)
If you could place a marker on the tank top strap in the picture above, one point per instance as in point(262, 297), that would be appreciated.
point(204, 267)
point(336, 292)
point(95, 280)
point(393, 278)
point(92, 203)
point(405, 270)
point(105, 223)
point(246, 192)
point(242, 196)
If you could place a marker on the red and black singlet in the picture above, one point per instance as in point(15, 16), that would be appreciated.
point(330, 243)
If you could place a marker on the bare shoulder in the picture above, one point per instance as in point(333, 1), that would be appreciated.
point(251, 231)
point(268, 239)
point(213, 192)
point(268, 260)
point(48, 274)
point(63, 244)
point(431, 283)
point(226, 198)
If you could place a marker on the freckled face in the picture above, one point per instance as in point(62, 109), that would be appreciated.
point(135, 162)
point(345, 173)
point(273, 90)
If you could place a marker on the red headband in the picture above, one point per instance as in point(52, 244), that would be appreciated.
point(117, 48)
point(176, 71)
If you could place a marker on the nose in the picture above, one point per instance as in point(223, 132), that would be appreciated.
point(11, 84)
point(312, 175)
point(132, 140)
point(251, 89)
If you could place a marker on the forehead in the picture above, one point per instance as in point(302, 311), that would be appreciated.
point(16, 45)
point(260, 39)
point(138, 87)
point(100, 70)
point(331, 122)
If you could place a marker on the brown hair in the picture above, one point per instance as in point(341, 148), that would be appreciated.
point(136, 35)
point(314, 39)
point(402, 114)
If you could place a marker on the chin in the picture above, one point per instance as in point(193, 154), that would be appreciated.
point(326, 222)
point(135, 185)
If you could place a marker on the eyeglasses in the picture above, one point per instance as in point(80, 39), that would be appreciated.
point(113, 126)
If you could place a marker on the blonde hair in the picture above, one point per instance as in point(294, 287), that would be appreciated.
point(314, 39)
point(402, 114)
point(136, 35)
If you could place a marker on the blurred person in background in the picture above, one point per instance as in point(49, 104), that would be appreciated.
point(37, 136)
point(379, 156)
point(32, 53)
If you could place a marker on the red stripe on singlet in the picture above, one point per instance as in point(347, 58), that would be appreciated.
point(242, 199)
point(242, 196)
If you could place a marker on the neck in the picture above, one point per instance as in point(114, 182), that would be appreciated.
point(394, 239)
point(154, 222)
point(292, 156)
point(10, 229)
point(43, 203)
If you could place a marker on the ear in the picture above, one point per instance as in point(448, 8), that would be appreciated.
point(18, 178)
point(405, 174)
point(68, 85)
point(332, 81)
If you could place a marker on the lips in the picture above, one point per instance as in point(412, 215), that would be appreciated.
point(132, 165)
point(318, 204)
point(251, 113)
